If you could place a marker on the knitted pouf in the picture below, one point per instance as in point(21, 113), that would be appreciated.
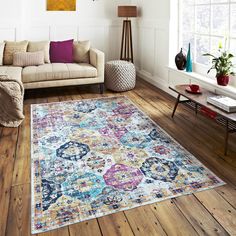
point(120, 75)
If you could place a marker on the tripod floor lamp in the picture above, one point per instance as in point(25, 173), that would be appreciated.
point(126, 52)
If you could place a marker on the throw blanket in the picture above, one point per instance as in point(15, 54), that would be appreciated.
point(11, 101)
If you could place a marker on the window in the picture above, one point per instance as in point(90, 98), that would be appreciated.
point(204, 23)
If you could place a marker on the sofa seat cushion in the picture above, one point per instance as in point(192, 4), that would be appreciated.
point(12, 71)
point(58, 71)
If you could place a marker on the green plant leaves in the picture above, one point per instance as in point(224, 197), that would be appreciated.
point(222, 64)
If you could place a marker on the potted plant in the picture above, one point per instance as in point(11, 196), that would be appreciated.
point(223, 65)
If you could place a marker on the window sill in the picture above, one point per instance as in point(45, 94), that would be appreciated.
point(228, 90)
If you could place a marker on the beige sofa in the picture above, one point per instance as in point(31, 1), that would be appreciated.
point(60, 74)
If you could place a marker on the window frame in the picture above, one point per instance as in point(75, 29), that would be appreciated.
point(198, 67)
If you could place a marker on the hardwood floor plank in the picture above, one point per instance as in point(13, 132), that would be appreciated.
point(8, 143)
point(1, 128)
point(228, 193)
point(171, 219)
point(18, 222)
point(137, 219)
point(88, 228)
point(90, 96)
point(40, 100)
point(76, 97)
point(220, 209)
point(21, 173)
point(57, 232)
point(53, 99)
point(200, 219)
point(75, 94)
point(115, 224)
point(65, 97)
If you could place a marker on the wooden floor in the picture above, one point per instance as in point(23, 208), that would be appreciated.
point(211, 212)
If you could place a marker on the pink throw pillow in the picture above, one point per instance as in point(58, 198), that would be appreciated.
point(61, 51)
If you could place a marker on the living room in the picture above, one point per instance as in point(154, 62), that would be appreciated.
point(96, 140)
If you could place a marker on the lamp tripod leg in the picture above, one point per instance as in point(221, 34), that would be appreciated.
point(122, 41)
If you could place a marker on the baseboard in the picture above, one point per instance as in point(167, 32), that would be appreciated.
point(155, 81)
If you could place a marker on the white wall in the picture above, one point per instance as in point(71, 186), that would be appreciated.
point(153, 9)
point(153, 34)
point(94, 20)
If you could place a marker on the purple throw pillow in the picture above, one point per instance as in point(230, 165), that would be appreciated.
point(61, 51)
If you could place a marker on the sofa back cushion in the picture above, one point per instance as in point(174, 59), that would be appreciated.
point(81, 51)
point(28, 58)
point(2, 45)
point(61, 51)
point(40, 46)
point(11, 48)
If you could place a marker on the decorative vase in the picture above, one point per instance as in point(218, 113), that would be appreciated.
point(222, 80)
point(181, 60)
point(189, 65)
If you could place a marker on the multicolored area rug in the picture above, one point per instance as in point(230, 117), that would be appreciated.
point(91, 158)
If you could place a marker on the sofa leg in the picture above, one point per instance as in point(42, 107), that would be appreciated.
point(101, 86)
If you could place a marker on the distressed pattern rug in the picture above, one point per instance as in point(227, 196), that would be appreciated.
point(95, 157)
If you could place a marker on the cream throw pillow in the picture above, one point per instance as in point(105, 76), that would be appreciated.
point(11, 48)
point(81, 51)
point(2, 45)
point(40, 46)
point(28, 58)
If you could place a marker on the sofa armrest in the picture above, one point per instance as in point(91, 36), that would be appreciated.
point(97, 59)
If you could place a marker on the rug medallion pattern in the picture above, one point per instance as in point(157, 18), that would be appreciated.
point(95, 157)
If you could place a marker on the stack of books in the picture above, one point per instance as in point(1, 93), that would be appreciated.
point(225, 103)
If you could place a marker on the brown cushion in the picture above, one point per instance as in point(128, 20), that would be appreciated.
point(28, 58)
point(40, 46)
point(81, 51)
point(11, 48)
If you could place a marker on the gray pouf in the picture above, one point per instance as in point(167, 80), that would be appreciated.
point(120, 76)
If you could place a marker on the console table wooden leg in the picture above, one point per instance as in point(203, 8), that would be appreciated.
point(176, 104)
point(196, 107)
point(226, 136)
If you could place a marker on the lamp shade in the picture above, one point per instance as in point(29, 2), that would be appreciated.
point(127, 11)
